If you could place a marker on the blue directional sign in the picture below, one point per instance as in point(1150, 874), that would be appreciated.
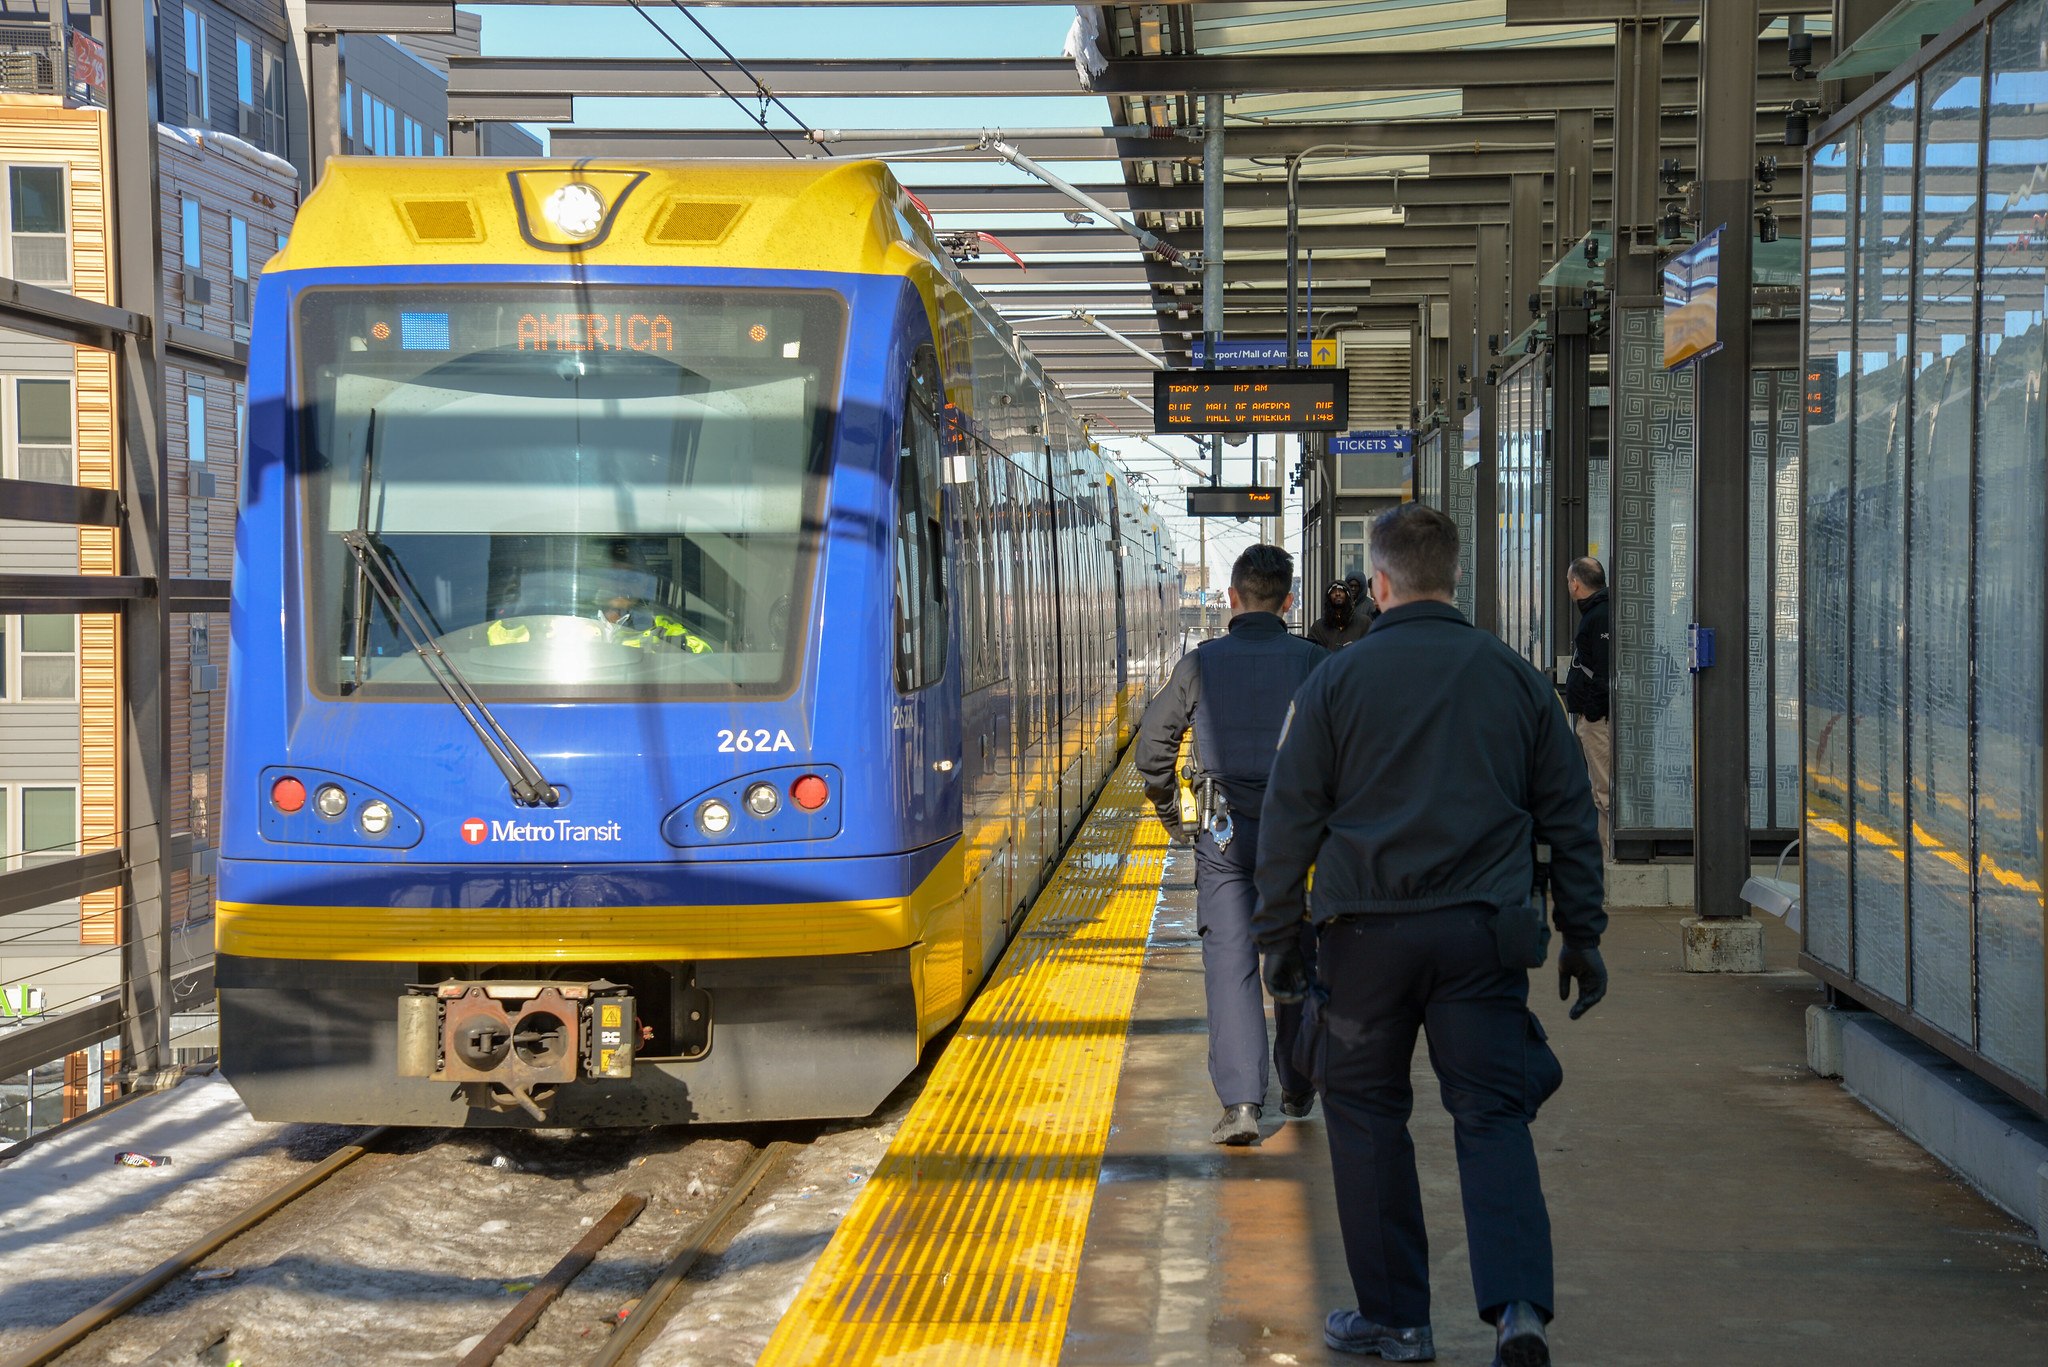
point(1396, 443)
point(1320, 352)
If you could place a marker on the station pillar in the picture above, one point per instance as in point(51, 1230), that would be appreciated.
point(1721, 936)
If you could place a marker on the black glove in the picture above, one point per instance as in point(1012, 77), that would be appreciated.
point(1586, 966)
point(1176, 833)
point(1286, 973)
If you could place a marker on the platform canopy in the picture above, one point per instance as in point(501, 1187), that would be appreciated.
point(1411, 123)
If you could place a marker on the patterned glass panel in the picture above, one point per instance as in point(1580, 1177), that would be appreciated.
point(1774, 401)
point(1652, 579)
point(1830, 380)
point(1784, 603)
point(1943, 375)
point(1458, 502)
point(2011, 552)
point(1877, 724)
point(1761, 392)
point(1524, 552)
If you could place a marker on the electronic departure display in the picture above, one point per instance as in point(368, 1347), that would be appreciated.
point(1289, 400)
point(1238, 501)
point(439, 323)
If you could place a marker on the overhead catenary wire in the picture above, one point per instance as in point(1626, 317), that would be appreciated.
point(761, 90)
point(758, 120)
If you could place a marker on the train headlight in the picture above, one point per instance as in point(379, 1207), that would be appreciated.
point(714, 817)
point(330, 801)
point(375, 817)
point(576, 209)
point(763, 800)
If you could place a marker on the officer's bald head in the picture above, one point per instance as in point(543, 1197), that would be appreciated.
point(1416, 548)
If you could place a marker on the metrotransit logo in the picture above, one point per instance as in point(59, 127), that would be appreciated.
point(560, 831)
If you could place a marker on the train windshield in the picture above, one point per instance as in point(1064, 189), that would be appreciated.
point(588, 493)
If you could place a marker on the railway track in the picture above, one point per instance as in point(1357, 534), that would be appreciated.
point(189, 1343)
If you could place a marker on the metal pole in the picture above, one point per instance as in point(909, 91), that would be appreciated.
point(1490, 281)
point(1293, 250)
point(1147, 239)
point(1212, 250)
point(1720, 540)
point(145, 623)
point(324, 89)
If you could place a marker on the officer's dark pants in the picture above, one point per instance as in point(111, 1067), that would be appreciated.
point(1224, 899)
point(1440, 970)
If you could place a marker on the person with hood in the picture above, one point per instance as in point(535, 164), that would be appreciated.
point(1341, 622)
point(1586, 687)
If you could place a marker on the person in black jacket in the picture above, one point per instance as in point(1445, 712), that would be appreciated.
point(1341, 622)
point(1421, 820)
point(1234, 692)
point(1585, 689)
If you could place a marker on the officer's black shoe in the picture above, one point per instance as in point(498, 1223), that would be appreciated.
point(1239, 1126)
point(1350, 1332)
point(1523, 1341)
point(1295, 1105)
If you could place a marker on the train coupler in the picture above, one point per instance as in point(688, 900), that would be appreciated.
point(513, 1042)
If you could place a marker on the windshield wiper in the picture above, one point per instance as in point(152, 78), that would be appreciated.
point(388, 580)
point(378, 568)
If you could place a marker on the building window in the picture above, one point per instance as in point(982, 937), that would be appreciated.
point(238, 251)
point(195, 66)
point(440, 145)
point(48, 658)
point(38, 245)
point(348, 116)
point(40, 823)
point(273, 99)
point(195, 422)
point(188, 214)
point(42, 431)
point(245, 80)
point(1351, 548)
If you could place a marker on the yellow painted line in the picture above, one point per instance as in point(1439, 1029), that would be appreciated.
point(965, 1244)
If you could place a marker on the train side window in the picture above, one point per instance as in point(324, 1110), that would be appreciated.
point(920, 549)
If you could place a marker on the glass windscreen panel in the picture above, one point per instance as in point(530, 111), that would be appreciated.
point(590, 493)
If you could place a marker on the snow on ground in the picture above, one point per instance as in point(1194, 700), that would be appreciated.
point(731, 1304)
point(75, 1225)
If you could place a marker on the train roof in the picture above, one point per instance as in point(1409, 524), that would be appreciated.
point(848, 216)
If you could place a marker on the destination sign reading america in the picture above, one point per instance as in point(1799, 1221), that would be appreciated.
point(1279, 400)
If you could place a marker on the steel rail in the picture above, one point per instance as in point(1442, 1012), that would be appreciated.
point(523, 1316)
point(657, 1296)
point(89, 1321)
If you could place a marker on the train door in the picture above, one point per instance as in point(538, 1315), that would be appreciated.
point(1029, 638)
point(1122, 681)
point(926, 724)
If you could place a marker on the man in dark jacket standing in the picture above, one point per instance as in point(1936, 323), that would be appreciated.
point(1341, 622)
point(1585, 690)
point(1234, 691)
point(1421, 821)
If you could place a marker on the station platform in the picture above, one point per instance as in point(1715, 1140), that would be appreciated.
point(1053, 1196)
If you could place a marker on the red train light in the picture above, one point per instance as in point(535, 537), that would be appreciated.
point(288, 795)
point(809, 792)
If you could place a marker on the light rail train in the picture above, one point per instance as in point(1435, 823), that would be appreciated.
point(675, 630)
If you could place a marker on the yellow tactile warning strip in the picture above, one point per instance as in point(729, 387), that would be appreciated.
point(965, 1244)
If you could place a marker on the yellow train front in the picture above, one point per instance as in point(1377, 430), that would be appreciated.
point(675, 631)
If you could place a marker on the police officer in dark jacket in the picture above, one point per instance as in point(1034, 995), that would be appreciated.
point(1585, 688)
point(1421, 818)
point(1234, 691)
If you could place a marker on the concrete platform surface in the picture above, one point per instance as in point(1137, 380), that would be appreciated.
point(1713, 1200)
